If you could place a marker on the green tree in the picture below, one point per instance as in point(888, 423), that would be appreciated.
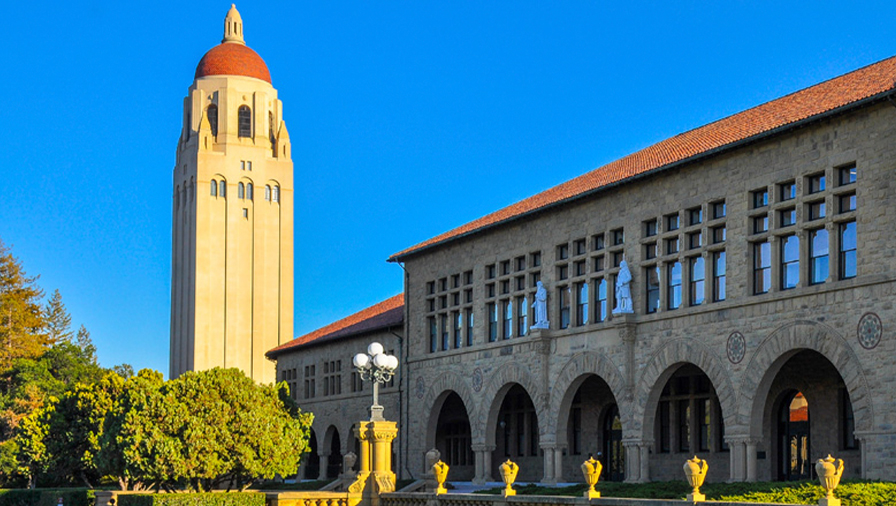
point(31, 454)
point(59, 322)
point(21, 316)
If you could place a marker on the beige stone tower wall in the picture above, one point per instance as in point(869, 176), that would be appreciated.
point(232, 258)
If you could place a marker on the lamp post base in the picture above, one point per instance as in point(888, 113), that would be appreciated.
point(376, 413)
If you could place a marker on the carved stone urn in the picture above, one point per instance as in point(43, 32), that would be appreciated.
point(695, 471)
point(829, 472)
point(440, 471)
point(591, 469)
point(509, 471)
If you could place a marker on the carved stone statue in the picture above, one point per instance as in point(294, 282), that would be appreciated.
point(541, 308)
point(623, 290)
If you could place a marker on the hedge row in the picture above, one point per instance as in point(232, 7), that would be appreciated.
point(193, 499)
point(47, 497)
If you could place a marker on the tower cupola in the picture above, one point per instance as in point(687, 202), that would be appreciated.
point(233, 26)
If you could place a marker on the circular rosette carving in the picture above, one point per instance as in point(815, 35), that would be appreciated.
point(477, 379)
point(737, 347)
point(869, 331)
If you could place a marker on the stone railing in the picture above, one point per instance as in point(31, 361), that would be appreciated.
point(418, 499)
point(312, 498)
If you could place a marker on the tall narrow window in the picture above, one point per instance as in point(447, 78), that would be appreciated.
point(222, 189)
point(818, 256)
point(674, 285)
point(443, 324)
point(684, 425)
point(790, 261)
point(697, 281)
point(762, 267)
point(458, 329)
point(563, 295)
point(249, 191)
point(653, 289)
point(276, 196)
point(848, 250)
point(718, 276)
point(582, 304)
point(214, 188)
point(601, 306)
point(523, 316)
point(241, 191)
point(244, 121)
point(469, 314)
point(704, 424)
point(212, 113)
point(492, 309)
point(267, 192)
point(433, 335)
point(507, 332)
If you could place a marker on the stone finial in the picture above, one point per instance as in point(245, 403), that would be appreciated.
point(509, 471)
point(440, 471)
point(695, 471)
point(829, 472)
point(591, 469)
point(233, 26)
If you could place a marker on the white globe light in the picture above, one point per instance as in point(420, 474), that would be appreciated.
point(375, 349)
point(381, 361)
point(360, 360)
point(393, 362)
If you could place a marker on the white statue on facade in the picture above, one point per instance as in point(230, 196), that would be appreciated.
point(623, 290)
point(541, 308)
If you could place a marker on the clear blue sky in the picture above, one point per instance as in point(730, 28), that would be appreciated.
point(407, 119)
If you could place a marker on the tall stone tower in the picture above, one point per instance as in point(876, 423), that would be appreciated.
point(232, 244)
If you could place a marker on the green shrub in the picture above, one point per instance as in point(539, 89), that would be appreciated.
point(47, 497)
point(195, 499)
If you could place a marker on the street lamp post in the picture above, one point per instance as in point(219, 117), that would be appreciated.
point(377, 367)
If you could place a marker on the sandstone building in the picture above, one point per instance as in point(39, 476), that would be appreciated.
point(763, 269)
point(232, 232)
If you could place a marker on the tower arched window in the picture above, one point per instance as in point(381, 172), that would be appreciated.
point(249, 191)
point(244, 121)
point(222, 189)
point(241, 191)
point(214, 188)
point(276, 194)
point(212, 113)
point(267, 192)
point(191, 189)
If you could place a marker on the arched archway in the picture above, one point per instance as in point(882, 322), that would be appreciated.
point(311, 461)
point(451, 435)
point(515, 433)
point(333, 451)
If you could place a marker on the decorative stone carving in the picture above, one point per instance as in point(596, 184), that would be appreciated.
point(508, 471)
point(737, 347)
point(623, 290)
point(440, 471)
point(695, 471)
point(591, 469)
point(870, 331)
point(476, 379)
point(541, 308)
point(829, 474)
point(348, 462)
point(420, 387)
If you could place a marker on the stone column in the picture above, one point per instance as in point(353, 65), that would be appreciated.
point(324, 463)
point(751, 459)
point(483, 463)
point(632, 461)
point(737, 456)
point(644, 448)
point(558, 463)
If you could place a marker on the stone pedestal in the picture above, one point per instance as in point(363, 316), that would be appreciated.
point(375, 474)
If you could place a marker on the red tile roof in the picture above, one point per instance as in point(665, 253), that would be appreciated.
point(387, 313)
point(230, 58)
point(850, 89)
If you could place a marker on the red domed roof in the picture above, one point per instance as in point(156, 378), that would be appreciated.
point(232, 59)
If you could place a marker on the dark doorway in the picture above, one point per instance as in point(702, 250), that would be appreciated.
point(613, 455)
point(334, 462)
point(793, 438)
point(312, 459)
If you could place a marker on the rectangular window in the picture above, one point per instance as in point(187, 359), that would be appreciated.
point(617, 258)
point(847, 175)
point(697, 281)
point(431, 287)
point(536, 259)
point(446, 340)
point(818, 256)
point(505, 286)
point(618, 237)
point(522, 313)
point(695, 240)
point(719, 234)
point(579, 246)
point(598, 263)
point(563, 252)
point(760, 224)
point(490, 271)
point(507, 310)
point(468, 295)
point(599, 242)
point(562, 271)
point(684, 426)
point(788, 191)
point(695, 216)
point(672, 246)
point(760, 198)
point(847, 203)
point(580, 268)
point(492, 310)
point(534, 278)
point(762, 267)
point(652, 274)
point(563, 296)
point(490, 290)
point(816, 183)
point(671, 222)
point(581, 304)
point(433, 335)
point(650, 251)
point(576, 436)
point(521, 282)
point(719, 210)
point(601, 308)
point(848, 250)
point(521, 263)
point(787, 217)
point(455, 281)
point(704, 418)
point(469, 314)
point(665, 443)
point(790, 261)
point(673, 271)
point(816, 210)
point(650, 228)
point(718, 276)
point(458, 329)
point(505, 267)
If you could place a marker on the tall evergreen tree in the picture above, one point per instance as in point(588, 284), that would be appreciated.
point(59, 322)
point(22, 320)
